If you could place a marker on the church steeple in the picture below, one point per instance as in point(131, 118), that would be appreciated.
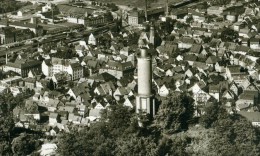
point(151, 36)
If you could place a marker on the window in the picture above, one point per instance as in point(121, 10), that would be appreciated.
point(143, 103)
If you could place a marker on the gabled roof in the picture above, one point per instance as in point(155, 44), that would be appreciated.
point(212, 60)
point(196, 48)
point(251, 116)
point(103, 77)
point(95, 113)
point(119, 66)
point(187, 40)
point(190, 57)
point(249, 95)
point(122, 90)
point(234, 68)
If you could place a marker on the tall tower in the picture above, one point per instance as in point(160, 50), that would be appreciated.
point(151, 36)
point(144, 101)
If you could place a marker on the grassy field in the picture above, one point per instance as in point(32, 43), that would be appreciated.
point(140, 3)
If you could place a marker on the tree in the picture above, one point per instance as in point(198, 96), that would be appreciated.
point(133, 39)
point(258, 61)
point(228, 35)
point(113, 6)
point(174, 113)
point(136, 145)
point(206, 39)
point(210, 115)
point(25, 144)
point(100, 138)
point(189, 19)
point(181, 25)
point(169, 25)
point(51, 85)
point(2, 75)
point(234, 135)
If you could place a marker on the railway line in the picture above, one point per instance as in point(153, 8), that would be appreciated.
point(16, 47)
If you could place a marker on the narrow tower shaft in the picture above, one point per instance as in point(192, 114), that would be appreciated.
point(144, 73)
point(144, 100)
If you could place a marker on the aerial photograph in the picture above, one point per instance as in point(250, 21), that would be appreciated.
point(129, 78)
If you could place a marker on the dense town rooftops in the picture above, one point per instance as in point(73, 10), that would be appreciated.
point(23, 63)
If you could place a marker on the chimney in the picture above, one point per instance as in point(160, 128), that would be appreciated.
point(6, 58)
point(167, 8)
point(146, 18)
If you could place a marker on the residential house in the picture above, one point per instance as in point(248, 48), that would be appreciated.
point(220, 66)
point(53, 119)
point(92, 40)
point(129, 102)
point(247, 101)
point(56, 65)
point(185, 43)
point(136, 17)
point(178, 14)
point(30, 83)
point(254, 44)
point(231, 70)
point(234, 88)
point(52, 105)
point(197, 16)
point(118, 69)
point(164, 90)
point(228, 95)
point(120, 92)
point(253, 117)
point(215, 10)
point(214, 91)
point(244, 32)
point(199, 95)
point(23, 66)
point(196, 49)
point(211, 61)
